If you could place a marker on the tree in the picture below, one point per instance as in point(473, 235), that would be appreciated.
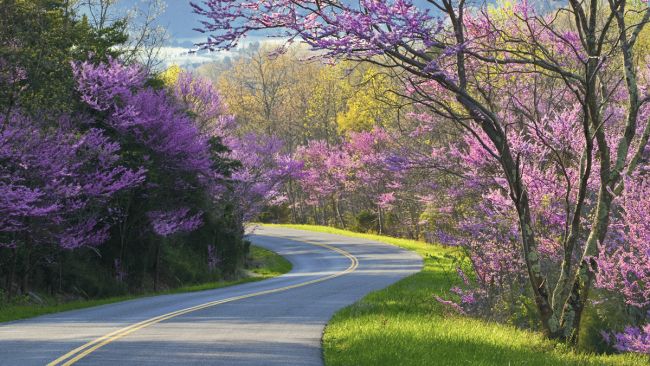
point(57, 187)
point(199, 171)
point(455, 65)
point(145, 37)
point(274, 95)
point(39, 39)
point(160, 135)
point(326, 177)
point(373, 104)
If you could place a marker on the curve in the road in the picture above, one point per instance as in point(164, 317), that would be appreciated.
point(278, 321)
point(77, 354)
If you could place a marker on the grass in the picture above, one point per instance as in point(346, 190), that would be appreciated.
point(403, 325)
point(264, 264)
point(267, 264)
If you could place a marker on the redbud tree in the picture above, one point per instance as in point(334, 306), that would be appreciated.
point(458, 61)
point(333, 173)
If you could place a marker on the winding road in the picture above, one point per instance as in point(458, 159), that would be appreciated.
point(278, 321)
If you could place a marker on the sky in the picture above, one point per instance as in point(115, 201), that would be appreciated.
point(180, 22)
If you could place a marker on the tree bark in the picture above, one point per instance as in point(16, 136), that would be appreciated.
point(12, 274)
point(380, 219)
point(338, 212)
point(156, 277)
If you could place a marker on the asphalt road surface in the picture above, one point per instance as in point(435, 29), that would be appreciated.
point(278, 321)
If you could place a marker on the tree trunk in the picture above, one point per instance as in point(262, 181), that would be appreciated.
point(338, 212)
point(156, 277)
point(380, 219)
point(575, 305)
point(519, 196)
point(12, 274)
point(60, 287)
point(584, 276)
point(415, 223)
point(292, 201)
point(549, 319)
point(301, 211)
point(24, 283)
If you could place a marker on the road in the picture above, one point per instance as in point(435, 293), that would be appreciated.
point(278, 321)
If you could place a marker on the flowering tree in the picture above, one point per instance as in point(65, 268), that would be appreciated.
point(371, 175)
point(57, 186)
point(175, 149)
point(200, 170)
point(624, 264)
point(326, 176)
point(102, 164)
point(357, 166)
point(176, 133)
point(459, 66)
point(147, 116)
point(253, 164)
point(264, 169)
point(204, 103)
point(53, 184)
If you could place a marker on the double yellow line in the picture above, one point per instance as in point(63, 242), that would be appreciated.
point(90, 347)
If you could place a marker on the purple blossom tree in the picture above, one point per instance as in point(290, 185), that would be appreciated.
point(264, 169)
point(175, 150)
point(57, 186)
point(555, 116)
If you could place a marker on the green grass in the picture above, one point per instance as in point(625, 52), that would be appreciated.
point(264, 264)
point(267, 264)
point(404, 325)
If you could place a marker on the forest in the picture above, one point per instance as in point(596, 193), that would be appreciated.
point(513, 134)
point(116, 178)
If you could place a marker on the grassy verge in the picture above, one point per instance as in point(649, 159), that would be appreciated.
point(404, 325)
point(264, 264)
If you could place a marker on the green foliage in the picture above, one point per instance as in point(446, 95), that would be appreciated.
point(593, 323)
point(611, 313)
point(170, 76)
point(275, 214)
point(42, 38)
point(373, 104)
point(220, 164)
point(227, 235)
point(265, 263)
point(39, 40)
point(365, 221)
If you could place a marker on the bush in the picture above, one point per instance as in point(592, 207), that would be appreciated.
point(365, 221)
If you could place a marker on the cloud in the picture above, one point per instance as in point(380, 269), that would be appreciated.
point(175, 54)
point(183, 56)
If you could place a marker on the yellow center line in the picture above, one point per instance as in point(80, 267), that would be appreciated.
point(86, 349)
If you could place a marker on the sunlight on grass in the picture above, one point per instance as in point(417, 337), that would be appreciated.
point(264, 264)
point(404, 325)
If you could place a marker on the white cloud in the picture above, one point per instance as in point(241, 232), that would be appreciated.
point(182, 56)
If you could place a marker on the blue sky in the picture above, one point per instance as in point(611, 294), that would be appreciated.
point(180, 21)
